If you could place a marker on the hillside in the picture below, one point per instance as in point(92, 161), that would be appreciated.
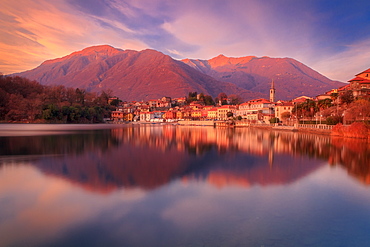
point(291, 78)
point(131, 75)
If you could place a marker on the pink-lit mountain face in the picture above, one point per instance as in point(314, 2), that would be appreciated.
point(149, 74)
point(131, 75)
point(291, 78)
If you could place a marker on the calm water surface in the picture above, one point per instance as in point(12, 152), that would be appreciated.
point(162, 185)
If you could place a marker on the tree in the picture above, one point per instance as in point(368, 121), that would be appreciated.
point(347, 97)
point(192, 96)
point(115, 102)
point(358, 110)
point(4, 98)
point(208, 100)
point(333, 120)
point(235, 99)
point(334, 97)
point(285, 115)
point(17, 108)
point(104, 96)
point(324, 104)
point(222, 98)
point(80, 96)
point(229, 114)
point(274, 120)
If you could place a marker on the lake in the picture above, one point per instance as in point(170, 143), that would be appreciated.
point(165, 185)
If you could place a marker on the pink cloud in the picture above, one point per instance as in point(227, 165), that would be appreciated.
point(51, 29)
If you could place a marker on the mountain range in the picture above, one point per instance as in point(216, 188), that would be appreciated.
point(149, 74)
point(291, 78)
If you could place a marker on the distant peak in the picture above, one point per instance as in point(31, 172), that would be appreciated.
point(222, 60)
point(99, 49)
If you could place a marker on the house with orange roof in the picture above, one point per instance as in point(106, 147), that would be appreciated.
point(360, 85)
point(256, 110)
point(257, 105)
point(195, 105)
point(170, 114)
point(301, 99)
point(223, 110)
point(196, 114)
point(212, 113)
point(179, 115)
point(283, 107)
point(117, 116)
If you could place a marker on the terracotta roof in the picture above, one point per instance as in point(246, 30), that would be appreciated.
point(344, 87)
point(257, 101)
point(285, 104)
point(357, 79)
point(364, 82)
point(227, 106)
point(360, 80)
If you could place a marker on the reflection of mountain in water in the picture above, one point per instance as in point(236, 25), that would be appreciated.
point(148, 157)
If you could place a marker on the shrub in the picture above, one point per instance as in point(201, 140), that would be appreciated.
point(274, 120)
point(333, 120)
point(338, 130)
point(355, 130)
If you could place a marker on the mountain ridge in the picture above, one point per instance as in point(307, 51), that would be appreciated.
point(131, 75)
point(257, 73)
point(150, 74)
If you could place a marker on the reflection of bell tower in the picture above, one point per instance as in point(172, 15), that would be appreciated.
point(271, 157)
point(272, 91)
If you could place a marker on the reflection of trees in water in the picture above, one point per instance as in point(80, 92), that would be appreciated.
point(57, 144)
point(354, 155)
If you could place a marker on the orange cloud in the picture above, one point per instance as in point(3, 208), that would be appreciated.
point(34, 31)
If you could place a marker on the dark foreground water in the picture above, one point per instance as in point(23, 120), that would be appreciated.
point(71, 185)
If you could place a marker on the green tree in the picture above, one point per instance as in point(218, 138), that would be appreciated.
point(208, 100)
point(192, 96)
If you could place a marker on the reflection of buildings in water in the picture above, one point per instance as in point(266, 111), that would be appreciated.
point(252, 141)
point(151, 156)
point(247, 140)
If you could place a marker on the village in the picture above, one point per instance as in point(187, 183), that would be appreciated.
point(329, 108)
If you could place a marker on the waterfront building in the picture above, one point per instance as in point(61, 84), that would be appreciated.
point(360, 85)
point(282, 107)
point(223, 110)
point(212, 113)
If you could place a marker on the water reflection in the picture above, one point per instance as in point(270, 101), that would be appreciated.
point(183, 186)
point(148, 157)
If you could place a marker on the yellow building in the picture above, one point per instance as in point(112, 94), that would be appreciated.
point(223, 110)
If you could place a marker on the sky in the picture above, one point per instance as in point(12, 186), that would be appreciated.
point(330, 36)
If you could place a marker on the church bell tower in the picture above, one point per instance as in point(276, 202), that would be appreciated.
point(272, 92)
